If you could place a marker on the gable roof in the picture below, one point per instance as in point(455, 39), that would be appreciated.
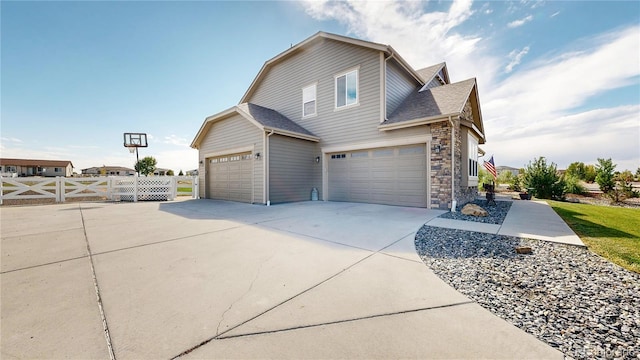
point(31, 162)
point(435, 104)
point(387, 49)
point(430, 72)
point(263, 118)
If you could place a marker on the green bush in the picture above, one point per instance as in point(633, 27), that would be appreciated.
point(572, 185)
point(543, 180)
point(605, 176)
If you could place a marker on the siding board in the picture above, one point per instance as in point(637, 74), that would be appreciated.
point(293, 171)
point(399, 86)
point(281, 90)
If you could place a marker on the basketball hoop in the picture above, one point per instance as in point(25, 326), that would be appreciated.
point(133, 141)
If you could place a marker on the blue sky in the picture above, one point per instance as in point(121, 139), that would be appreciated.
point(556, 79)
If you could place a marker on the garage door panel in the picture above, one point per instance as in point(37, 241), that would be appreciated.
point(394, 176)
point(230, 177)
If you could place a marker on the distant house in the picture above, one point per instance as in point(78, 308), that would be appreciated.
point(161, 172)
point(343, 119)
point(30, 167)
point(193, 172)
point(108, 171)
point(501, 169)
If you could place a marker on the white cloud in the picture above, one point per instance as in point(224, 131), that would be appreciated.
point(555, 14)
point(531, 112)
point(520, 22)
point(422, 38)
point(516, 58)
point(176, 140)
point(10, 139)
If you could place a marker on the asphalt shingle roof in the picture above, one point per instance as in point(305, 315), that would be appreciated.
point(440, 100)
point(429, 72)
point(32, 162)
point(272, 119)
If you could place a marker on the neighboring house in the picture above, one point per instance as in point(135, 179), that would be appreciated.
point(351, 119)
point(192, 172)
point(501, 169)
point(161, 172)
point(108, 171)
point(29, 167)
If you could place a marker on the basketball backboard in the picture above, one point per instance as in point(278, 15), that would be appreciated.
point(135, 140)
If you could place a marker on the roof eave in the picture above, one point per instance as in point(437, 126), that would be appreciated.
point(416, 122)
point(292, 134)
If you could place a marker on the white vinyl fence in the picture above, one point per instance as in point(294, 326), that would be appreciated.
point(115, 188)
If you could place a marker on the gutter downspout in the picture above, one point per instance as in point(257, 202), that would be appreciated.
point(384, 90)
point(453, 166)
point(266, 167)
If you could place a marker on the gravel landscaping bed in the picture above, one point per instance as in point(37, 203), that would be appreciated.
point(564, 295)
point(497, 212)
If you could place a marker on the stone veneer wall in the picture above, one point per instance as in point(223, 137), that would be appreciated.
point(463, 194)
point(441, 164)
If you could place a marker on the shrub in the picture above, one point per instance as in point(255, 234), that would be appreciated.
point(543, 180)
point(604, 175)
point(572, 185)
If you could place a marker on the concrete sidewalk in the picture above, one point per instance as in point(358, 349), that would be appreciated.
point(213, 279)
point(526, 219)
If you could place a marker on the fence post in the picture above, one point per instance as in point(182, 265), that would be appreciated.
point(174, 188)
point(136, 180)
point(60, 189)
point(195, 191)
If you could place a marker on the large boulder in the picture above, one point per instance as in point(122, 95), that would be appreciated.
point(474, 210)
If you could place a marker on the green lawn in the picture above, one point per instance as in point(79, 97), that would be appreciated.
point(611, 232)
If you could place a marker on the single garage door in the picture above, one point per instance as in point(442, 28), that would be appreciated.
point(391, 176)
point(230, 177)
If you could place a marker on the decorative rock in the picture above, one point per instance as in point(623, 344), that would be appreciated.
point(564, 295)
point(523, 249)
point(474, 210)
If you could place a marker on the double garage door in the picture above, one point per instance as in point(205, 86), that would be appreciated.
point(391, 176)
point(230, 177)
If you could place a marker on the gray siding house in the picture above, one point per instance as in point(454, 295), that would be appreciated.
point(351, 119)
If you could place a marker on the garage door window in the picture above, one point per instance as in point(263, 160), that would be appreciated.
point(414, 150)
point(383, 153)
point(338, 156)
point(360, 154)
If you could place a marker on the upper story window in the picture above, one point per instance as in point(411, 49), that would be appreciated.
point(347, 89)
point(473, 158)
point(309, 100)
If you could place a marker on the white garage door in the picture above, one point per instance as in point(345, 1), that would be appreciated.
point(391, 176)
point(230, 177)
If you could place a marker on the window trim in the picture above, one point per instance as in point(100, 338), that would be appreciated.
point(472, 147)
point(335, 88)
point(315, 100)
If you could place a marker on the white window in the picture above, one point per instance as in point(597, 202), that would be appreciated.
point(309, 100)
point(473, 157)
point(347, 89)
point(57, 169)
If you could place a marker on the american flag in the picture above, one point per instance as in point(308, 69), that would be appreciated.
point(491, 167)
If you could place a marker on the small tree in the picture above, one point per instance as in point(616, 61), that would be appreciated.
point(605, 176)
point(577, 170)
point(170, 173)
point(638, 174)
point(180, 173)
point(146, 166)
point(543, 180)
point(572, 185)
point(589, 173)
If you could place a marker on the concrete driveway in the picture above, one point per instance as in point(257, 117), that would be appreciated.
point(212, 279)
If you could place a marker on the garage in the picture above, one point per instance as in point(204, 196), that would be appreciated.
point(390, 176)
point(230, 177)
